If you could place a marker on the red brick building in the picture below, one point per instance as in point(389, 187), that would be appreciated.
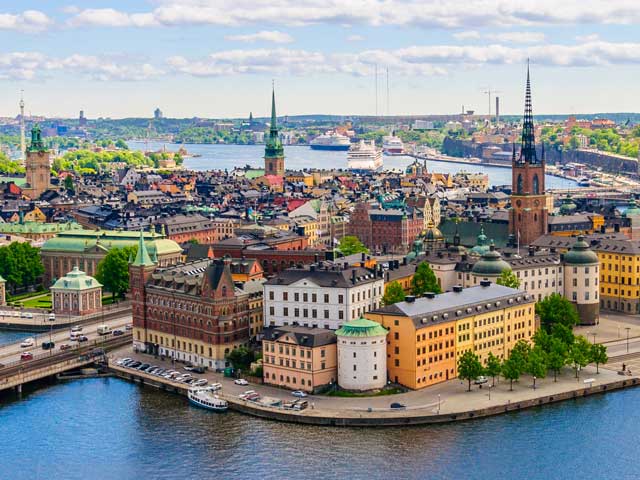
point(183, 228)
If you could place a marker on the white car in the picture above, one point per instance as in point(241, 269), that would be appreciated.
point(77, 328)
point(27, 343)
point(240, 381)
point(299, 394)
point(200, 383)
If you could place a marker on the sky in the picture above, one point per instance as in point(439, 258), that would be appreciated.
point(218, 58)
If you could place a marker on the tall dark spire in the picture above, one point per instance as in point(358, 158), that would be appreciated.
point(528, 149)
point(274, 126)
point(273, 147)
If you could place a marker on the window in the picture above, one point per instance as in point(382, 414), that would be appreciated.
point(285, 311)
point(340, 298)
point(271, 295)
point(285, 296)
point(326, 298)
point(272, 311)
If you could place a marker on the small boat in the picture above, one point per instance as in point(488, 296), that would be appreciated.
point(584, 182)
point(206, 398)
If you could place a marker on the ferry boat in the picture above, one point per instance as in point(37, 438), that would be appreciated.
point(330, 141)
point(364, 156)
point(206, 398)
point(392, 145)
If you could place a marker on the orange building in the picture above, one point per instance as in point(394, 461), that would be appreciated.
point(299, 358)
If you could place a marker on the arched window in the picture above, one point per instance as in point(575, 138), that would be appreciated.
point(519, 186)
point(535, 217)
point(536, 184)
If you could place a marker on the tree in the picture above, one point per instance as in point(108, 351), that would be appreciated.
point(557, 356)
point(598, 355)
point(424, 280)
point(579, 353)
point(563, 333)
point(121, 144)
point(536, 365)
point(393, 293)
point(68, 184)
point(542, 339)
point(493, 368)
point(20, 265)
point(523, 349)
point(512, 369)
point(555, 309)
point(241, 358)
point(469, 367)
point(193, 241)
point(508, 279)
point(351, 244)
point(113, 270)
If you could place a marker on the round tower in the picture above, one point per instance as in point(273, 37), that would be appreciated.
point(581, 273)
point(490, 266)
point(362, 355)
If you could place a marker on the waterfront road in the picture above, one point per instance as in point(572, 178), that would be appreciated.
point(11, 352)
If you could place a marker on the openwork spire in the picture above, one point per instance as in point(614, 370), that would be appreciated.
point(274, 126)
point(528, 149)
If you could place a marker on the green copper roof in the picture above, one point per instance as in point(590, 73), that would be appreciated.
point(482, 243)
point(273, 147)
point(36, 140)
point(490, 264)
point(76, 280)
point(142, 256)
point(2, 280)
point(361, 327)
point(580, 254)
point(632, 209)
point(568, 206)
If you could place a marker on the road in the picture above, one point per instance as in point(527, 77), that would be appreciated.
point(11, 351)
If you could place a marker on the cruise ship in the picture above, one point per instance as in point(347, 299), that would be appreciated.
point(330, 141)
point(364, 156)
point(392, 145)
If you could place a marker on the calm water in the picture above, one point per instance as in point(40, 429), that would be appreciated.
point(111, 429)
point(9, 336)
point(219, 157)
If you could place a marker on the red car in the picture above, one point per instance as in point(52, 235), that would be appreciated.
point(26, 356)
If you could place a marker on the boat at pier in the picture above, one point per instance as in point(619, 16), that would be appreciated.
point(364, 156)
point(330, 141)
point(205, 397)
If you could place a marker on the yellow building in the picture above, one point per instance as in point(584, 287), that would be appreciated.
point(310, 228)
point(300, 177)
point(428, 335)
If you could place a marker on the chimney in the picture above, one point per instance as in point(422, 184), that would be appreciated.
point(363, 257)
point(315, 258)
point(396, 264)
point(404, 260)
point(616, 228)
point(485, 283)
point(312, 268)
point(457, 288)
point(430, 295)
point(353, 276)
point(532, 250)
point(410, 298)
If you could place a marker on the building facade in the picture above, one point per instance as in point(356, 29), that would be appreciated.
point(184, 228)
point(76, 294)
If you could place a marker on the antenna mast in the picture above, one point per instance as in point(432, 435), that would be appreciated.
point(23, 143)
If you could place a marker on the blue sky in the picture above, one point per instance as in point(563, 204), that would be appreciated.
point(216, 58)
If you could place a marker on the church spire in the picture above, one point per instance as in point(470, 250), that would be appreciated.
point(528, 149)
point(273, 145)
point(142, 255)
point(274, 125)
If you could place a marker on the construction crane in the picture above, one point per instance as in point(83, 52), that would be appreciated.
point(489, 91)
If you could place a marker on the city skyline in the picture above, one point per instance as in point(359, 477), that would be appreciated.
point(217, 59)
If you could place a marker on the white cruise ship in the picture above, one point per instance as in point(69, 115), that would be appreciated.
point(330, 141)
point(392, 145)
point(364, 156)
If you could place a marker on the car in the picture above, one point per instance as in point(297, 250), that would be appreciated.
point(481, 380)
point(300, 404)
point(124, 360)
point(135, 364)
point(26, 315)
point(247, 394)
point(76, 328)
point(215, 387)
point(397, 405)
point(240, 381)
point(199, 369)
point(128, 327)
point(83, 338)
point(299, 394)
point(26, 356)
point(48, 345)
point(27, 342)
point(65, 346)
point(52, 317)
point(117, 332)
point(143, 366)
point(200, 383)
point(188, 367)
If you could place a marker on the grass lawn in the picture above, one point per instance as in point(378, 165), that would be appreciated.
point(343, 393)
point(39, 300)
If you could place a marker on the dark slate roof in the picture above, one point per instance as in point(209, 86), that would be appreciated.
point(451, 306)
point(337, 278)
point(598, 242)
point(303, 336)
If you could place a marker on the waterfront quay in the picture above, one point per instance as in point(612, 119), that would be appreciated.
point(446, 402)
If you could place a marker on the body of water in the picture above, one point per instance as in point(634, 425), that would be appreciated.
point(220, 157)
point(110, 429)
point(9, 336)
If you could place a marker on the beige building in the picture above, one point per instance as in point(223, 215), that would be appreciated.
point(76, 294)
point(299, 358)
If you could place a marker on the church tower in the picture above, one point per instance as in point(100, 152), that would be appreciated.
point(528, 216)
point(140, 270)
point(37, 165)
point(273, 151)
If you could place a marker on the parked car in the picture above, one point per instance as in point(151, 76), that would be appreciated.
point(76, 328)
point(143, 366)
point(122, 361)
point(117, 332)
point(26, 315)
point(128, 327)
point(134, 364)
point(48, 345)
point(199, 369)
point(200, 383)
point(27, 343)
point(300, 405)
point(397, 405)
point(188, 366)
point(481, 380)
point(299, 394)
point(52, 317)
point(26, 356)
point(240, 381)
point(215, 386)
point(83, 338)
point(247, 393)
point(65, 346)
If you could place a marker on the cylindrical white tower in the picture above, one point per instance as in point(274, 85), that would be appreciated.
point(581, 274)
point(362, 355)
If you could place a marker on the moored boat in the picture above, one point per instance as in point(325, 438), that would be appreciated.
point(206, 398)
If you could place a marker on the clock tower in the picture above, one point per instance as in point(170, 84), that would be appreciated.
point(528, 216)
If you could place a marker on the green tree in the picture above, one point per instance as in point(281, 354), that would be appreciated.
point(469, 367)
point(522, 349)
point(542, 339)
point(536, 365)
point(121, 144)
point(194, 241)
point(393, 293)
point(598, 355)
point(579, 353)
point(512, 368)
point(555, 309)
point(68, 184)
point(240, 358)
point(563, 333)
point(20, 265)
point(113, 270)
point(424, 280)
point(493, 367)
point(8, 166)
point(508, 279)
point(351, 244)
point(557, 356)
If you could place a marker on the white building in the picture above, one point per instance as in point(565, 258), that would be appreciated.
point(321, 296)
point(362, 355)
point(581, 281)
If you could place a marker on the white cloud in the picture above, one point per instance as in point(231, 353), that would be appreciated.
point(594, 37)
point(32, 65)
point(467, 35)
point(30, 21)
point(355, 38)
point(471, 14)
point(509, 37)
point(272, 36)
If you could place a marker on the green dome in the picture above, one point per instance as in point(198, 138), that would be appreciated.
point(580, 254)
point(76, 279)
point(491, 264)
point(568, 207)
point(482, 244)
point(433, 234)
point(361, 327)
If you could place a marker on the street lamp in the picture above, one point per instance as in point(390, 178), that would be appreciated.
point(627, 329)
point(52, 318)
point(594, 337)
